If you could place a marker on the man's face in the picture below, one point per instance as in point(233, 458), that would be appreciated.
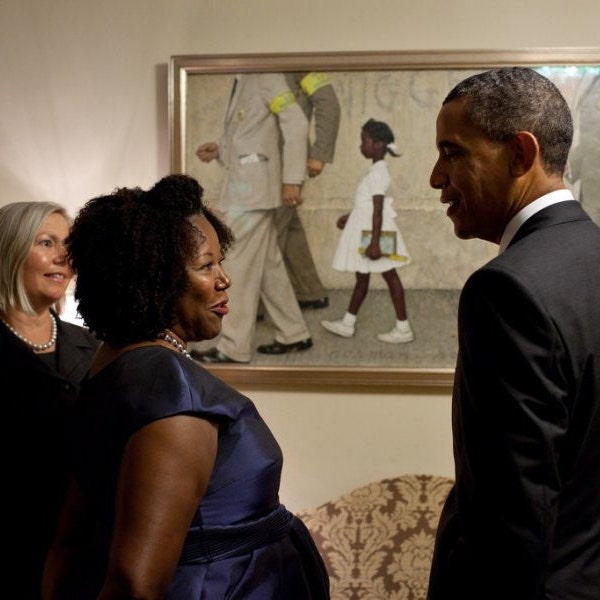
point(473, 174)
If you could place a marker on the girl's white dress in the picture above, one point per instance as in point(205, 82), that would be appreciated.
point(347, 256)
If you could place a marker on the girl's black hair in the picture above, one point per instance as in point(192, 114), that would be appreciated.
point(379, 131)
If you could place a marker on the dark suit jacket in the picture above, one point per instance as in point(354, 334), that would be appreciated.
point(36, 408)
point(523, 519)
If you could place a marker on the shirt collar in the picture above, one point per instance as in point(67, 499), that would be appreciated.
point(528, 211)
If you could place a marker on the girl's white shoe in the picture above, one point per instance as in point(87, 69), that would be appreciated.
point(395, 336)
point(339, 328)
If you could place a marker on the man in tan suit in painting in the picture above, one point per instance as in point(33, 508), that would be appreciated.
point(264, 151)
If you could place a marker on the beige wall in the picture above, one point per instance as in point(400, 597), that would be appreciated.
point(335, 442)
point(83, 109)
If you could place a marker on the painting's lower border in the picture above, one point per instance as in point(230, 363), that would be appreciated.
point(309, 377)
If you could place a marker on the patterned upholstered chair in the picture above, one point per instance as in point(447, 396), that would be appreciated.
point(377, 540)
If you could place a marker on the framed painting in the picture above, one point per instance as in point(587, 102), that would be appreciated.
point(404, 89)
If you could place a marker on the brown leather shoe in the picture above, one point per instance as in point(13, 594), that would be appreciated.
point(279, 348)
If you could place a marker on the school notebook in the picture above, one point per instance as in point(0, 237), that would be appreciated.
point(387, 243)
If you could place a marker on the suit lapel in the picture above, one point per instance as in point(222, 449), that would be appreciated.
point(233, 98)
point(75, 354)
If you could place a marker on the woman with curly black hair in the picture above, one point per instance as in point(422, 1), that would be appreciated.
point(176, 476)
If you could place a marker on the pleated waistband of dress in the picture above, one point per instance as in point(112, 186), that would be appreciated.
point(218, 543)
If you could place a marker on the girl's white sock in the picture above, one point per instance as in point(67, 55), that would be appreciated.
point(403, 326)
point(349, 319)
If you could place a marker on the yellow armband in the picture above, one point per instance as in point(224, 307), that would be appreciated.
point(281, 101)
point(312, 82)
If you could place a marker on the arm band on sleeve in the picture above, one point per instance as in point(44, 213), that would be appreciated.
point(312, 82)
point(281, 101)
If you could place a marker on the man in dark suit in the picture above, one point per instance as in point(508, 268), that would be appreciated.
point(316, 96)
point(523, 519)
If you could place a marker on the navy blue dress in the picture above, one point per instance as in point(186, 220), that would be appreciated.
point(242, 543)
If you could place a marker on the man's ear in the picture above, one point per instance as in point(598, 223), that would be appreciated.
point(525, 151)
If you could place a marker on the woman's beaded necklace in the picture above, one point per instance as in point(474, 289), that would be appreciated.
point(169, 337)
point(36, 347)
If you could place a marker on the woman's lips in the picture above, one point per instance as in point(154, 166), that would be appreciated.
point(60, 277)
point(221, 309)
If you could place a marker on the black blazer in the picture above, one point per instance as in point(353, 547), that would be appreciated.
point(36, 408)
point(523, 519)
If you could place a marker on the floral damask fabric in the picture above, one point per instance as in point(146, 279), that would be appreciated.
point(377, 541)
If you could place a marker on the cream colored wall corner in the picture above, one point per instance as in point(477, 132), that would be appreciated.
point(334, 442)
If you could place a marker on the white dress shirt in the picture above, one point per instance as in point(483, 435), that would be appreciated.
point(528, 211)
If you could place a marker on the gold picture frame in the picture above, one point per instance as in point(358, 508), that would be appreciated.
point(405, 88)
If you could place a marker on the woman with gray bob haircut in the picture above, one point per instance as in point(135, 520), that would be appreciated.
point(42, 361)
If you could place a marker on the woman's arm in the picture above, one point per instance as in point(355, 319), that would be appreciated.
point(164, 474)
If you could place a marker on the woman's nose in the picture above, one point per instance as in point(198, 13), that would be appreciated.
point(223, 281)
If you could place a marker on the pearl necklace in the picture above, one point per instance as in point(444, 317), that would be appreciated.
point(37, 347)
point(168, 337)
